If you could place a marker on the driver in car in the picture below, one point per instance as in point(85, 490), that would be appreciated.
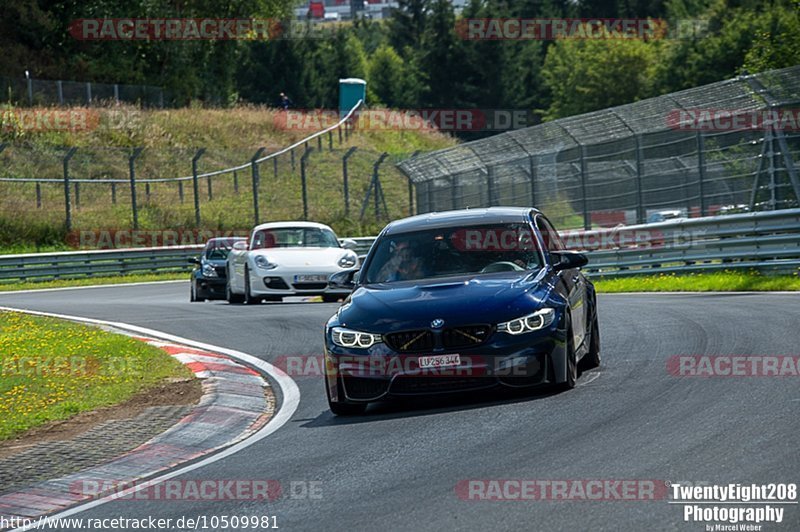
point(406, 263)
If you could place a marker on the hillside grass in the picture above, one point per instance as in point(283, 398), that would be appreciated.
point(171, 138)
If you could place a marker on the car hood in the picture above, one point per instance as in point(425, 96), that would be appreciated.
point(489, 298)
point(301, 257)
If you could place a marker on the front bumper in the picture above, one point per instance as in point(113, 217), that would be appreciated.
point(277, 283)
point(210, 287)
point(503, 361)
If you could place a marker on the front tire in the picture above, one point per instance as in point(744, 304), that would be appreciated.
point(248, 297)
point(591, 359)
point(572, 361)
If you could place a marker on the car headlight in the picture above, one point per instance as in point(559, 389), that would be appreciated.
point(532, 322)
point(349, 338)
point(209, 271)
point(264, 263)
point(348, 260)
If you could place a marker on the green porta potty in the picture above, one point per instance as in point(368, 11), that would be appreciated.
point(351, 90)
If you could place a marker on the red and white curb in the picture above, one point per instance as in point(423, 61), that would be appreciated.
point(233, 413)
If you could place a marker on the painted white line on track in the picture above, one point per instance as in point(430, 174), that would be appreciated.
point(289, 391)
point(110, 285)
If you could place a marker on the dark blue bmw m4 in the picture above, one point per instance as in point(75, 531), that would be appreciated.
point(458, 301)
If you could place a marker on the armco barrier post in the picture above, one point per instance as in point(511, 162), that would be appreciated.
point(132, 174)
point(256, 179)
point(303, 162)
point(195, 185)
point(701, 172)
point(345, 180)
point(67, 199)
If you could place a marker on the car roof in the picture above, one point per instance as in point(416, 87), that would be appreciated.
point(286, 225)
point(435, 220)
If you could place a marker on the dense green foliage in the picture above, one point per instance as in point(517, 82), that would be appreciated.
point(417, 58)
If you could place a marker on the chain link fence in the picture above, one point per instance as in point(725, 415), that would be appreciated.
point(89, 188)
point(677, 155)
point(42, 92)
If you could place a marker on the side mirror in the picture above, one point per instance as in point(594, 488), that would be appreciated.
point(193, 260)
point(349, 243)
point(346, 279)
point(567, 260)
point(240, 245)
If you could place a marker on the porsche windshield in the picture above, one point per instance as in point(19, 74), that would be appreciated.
point(292, 237)
point(454, 251)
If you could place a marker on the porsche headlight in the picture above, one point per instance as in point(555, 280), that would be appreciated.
point(348, 260)
point(264, 263)
point(532, 322)
point(209, 271)
point(349, 338)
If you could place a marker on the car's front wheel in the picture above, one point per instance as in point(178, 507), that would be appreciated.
point(249, 299)
point(572, 358)
point(592, 359)
point(193, 292)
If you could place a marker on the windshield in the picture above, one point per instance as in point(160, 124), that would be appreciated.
point(218, 249)
point(304, 237)
point(453, 251)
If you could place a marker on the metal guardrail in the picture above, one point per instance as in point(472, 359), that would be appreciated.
point(767, 241)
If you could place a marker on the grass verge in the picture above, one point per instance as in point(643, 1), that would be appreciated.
point(91, 281)
point(726, 281)
point(53, 369)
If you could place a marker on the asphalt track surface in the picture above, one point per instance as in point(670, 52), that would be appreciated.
point(397, 467)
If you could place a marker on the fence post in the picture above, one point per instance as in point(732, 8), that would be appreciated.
point(345, 180)
point(196, 185)
point(38, 195)
point(375, 186)
point(640, 217)
point(147, 191)
point(116, 93)
point(701, 171)
point(77, 194)
point(256, 179)
point(303, 161)
point(113, 193)
point(60, 88)
point(132, 174)
point(275, 166)
point(319, 143)
point(291, 152)
point(587, 218)
point(180, 191)
point(235, 182)
point(30, 88)
point(490, 185)
point(330, 140)
point(532, 167)
point(339, 129)
point(88, 93)
point(210, 191)
point(411, 189)
point(67, 199)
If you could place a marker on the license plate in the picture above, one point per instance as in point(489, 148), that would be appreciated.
point(439, 361)
point(311, 278)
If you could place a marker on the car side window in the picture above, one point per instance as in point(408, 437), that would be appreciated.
point(552, 240)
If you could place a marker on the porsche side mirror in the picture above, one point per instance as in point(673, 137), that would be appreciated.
point(567, 260)
point(349, 243)
point(346, 279)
